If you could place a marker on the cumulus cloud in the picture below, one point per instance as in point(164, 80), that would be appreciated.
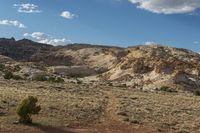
point(12, 23)
point(47, 39)
point(67, 15)
point(37, 35)
point(27, 8)
point(55, 42)
point(168, 6)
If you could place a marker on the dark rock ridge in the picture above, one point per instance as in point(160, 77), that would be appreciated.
point(27, 50)
point(23, 49)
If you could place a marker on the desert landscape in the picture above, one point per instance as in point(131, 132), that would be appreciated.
point(99, 66)
point(85, 88)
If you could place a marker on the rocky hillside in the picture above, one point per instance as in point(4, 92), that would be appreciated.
point(145, 66)
point(23, 49)
point(153, 66)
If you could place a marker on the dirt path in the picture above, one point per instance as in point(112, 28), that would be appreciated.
point(109, 123)
point(111, 110)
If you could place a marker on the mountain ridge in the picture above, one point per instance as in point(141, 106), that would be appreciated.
point(146, 66)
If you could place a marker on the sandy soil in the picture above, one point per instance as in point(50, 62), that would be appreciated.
point(90, 108)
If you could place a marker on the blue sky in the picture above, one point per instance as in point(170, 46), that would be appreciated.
point(110, 22)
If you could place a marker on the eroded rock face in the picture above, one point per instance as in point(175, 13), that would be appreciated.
point(188, 80)
point(143, 65)
point(138, 65)
point(53, 60)
point(165, 67)
point(157, 65)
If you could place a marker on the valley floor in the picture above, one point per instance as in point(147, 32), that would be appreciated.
point(93, 108)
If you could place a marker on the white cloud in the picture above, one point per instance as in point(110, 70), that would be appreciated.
point(47, 39)
point(37, 35)
point(196, 42)
point(168, 6)
point(150, 43)
point(27, 8)
point(12, 23)
point(55, 42)
point(67, 15)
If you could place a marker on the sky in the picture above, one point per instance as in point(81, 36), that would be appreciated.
point(109, 22)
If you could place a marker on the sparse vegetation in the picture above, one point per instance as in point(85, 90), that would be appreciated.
point(50, 79)
point(27, 108)
point(197, 93)
point(8, 75)
point(16, 68)
point(167, 89)
point(17, 77)
point(131, 107)
point(2, 67)
point(110, 96)
point(78, 81)
point(55, 79)
point(40, 78)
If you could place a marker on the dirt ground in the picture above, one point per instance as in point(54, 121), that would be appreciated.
point(91, 108)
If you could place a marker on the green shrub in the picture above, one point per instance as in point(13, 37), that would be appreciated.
point(40, 78)
point(27, 108)
point(2, 67)
point(197, 93)
point(17, 68)
point(59, 80)
point(78, 81)
point(164, 88)
point(56, 79)
point(51, 79)
point(26, 75)
point(167, 89)
point(8, 75)
point(17, 77)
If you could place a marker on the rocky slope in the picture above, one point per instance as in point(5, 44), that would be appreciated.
point(23, 49)
point(147, 67)
point(155, 65)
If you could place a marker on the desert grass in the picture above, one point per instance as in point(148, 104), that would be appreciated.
point(79, 105)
